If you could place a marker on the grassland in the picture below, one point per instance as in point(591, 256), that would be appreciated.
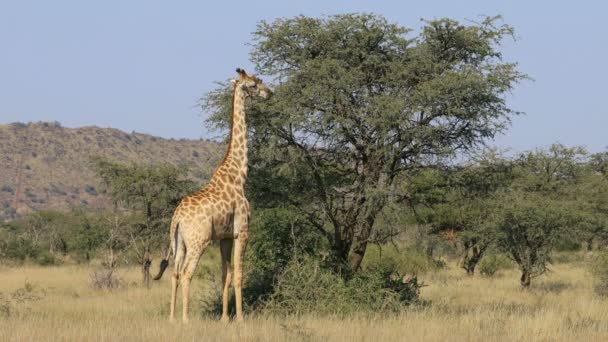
point(560, 306)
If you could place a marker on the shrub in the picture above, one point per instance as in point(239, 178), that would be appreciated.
point(406, 260)
point(567, 245)
point(19, 249)
point(493, 263)
point(44, 258)
point(89, 189)
point(488, 266)
point(306, 286)
point(105, 279)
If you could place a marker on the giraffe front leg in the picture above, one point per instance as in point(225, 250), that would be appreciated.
point(239, 252)
point(226, 253)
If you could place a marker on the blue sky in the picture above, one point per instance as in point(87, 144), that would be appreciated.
point(143, 65)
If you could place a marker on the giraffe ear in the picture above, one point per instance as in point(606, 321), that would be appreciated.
point(233, 81)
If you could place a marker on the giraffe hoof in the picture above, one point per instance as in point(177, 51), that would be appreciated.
point(225, 319)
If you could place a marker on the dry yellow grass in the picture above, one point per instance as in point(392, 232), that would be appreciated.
point(560, 307)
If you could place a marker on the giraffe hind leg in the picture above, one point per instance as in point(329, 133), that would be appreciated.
point(193, 255)
point(180, 253)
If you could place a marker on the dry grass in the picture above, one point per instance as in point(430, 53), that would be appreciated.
point(560, 307)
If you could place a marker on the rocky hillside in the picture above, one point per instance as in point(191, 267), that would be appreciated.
point(46, 166)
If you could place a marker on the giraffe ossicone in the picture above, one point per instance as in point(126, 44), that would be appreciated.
point(219, 211)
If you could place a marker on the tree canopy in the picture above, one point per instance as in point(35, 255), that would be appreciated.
point(359, 101)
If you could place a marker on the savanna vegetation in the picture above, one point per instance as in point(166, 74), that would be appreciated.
point(378, 210)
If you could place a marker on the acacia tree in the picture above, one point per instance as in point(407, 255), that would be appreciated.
point(542, 207)
point(153, 191)
point(357, 103)
point(529, 229)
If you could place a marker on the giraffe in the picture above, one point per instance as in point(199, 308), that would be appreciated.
point(219, 211)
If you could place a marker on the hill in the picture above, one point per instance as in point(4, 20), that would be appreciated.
point(46, 166)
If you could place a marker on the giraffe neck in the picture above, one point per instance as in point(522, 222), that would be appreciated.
point(235, 160)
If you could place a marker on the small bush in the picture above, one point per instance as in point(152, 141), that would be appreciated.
point(44, 258)
point(491, 264)
point(306, 286)
point(568, 245)
point(599, 268)
point(89, 189)
point(20, 249)
point(105, 279)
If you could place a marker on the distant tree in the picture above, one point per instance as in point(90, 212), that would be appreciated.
point(153, 191)
point(460, 203)
point(542, 207)
point(86, 235)
point(592, 195)
point(529, 228)
point(358, 104)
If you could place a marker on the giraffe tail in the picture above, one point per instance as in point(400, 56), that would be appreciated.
point(164, 263)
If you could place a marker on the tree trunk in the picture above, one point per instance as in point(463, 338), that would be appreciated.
point(340, 247)
point(365, 231)
point(470, 261)
point(146, 262)
point(525, 279)
point(590, 244)
point(356, 257)
point(469, 267)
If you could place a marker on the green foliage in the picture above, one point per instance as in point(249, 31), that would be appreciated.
point(278, 235)
point(18, 249)
point(492, 263)
point(153, 191)
point(567, 244)
point(544, 206)
point(405, 260)
point(528, 231)
point(45, 258)
point(46, 237)
point(306, 286)
point(463, 201)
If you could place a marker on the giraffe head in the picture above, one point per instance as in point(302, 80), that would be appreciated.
point(253, 86)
